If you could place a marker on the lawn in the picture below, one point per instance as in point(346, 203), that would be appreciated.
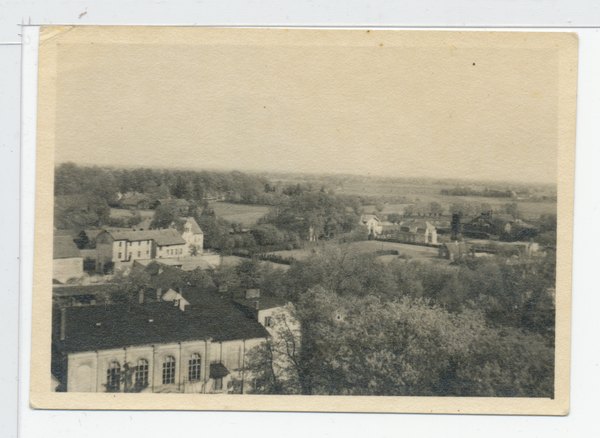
point(368, 246)
point(247, 215)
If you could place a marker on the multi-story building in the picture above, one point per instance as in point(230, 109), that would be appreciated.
point(116, 246)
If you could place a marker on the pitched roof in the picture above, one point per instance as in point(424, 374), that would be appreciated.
point(367, 217)
point(194, 227)
point(143, 225)
point(92, 328)
point(88, 289)
point(169, 236)
point(262, 302)
point(64, 248)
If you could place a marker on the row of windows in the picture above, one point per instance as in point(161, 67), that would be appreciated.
point(113, 374)
point(175, 251)
point(131, 243)
point(139, 254)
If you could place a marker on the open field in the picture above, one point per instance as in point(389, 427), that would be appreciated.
point(247, 215)
point(368, 246)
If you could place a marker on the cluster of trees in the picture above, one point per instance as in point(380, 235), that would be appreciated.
point(485, 328)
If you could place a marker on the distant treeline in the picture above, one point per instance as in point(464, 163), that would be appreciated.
point(487, 193)
point(84, 195)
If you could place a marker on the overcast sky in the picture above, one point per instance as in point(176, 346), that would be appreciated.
point(383, 110)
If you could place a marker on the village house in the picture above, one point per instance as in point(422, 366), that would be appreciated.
point(124, 246)
point(411, 231)
point(67, 261)
point(372, 223)
point(167, 346)
point(193, 236)
point(262, 309)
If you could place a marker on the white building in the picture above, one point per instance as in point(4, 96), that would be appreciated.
point(193, 236)
point(164, 346)
point(122, 246)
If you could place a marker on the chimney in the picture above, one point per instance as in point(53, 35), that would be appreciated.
point(63, 323)
point(141, 296)
point(252, 293)
point(158, 294)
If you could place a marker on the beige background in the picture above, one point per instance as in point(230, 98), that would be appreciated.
point(173, 97)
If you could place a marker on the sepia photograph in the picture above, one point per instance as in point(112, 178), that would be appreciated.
point(304, 220)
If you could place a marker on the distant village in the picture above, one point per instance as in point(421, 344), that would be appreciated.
point(148, 306)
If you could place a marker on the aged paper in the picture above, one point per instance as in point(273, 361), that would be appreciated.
point(345, 172)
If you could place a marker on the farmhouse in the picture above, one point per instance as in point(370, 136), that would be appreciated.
point(372, 223)
point(126, 246)
point(160, 347)
point(67, 260)
point(193, 236)
point(411, 231)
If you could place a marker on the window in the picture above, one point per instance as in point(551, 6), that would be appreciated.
point(119, 255)
point(141, 373)
point(195, 367)
point(219, 384)
point(267, 321)
point(139, 242)
point(139, 253)
point(113, 377)
point(169, 370)
point(120, 244)
point(147, 252)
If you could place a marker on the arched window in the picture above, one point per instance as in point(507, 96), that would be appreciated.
point(168, 370)
point(141, 373)
point(195, 367)
point(113, 377)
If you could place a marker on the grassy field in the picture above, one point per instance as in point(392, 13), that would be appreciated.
point(369, 246)
point(247, 215)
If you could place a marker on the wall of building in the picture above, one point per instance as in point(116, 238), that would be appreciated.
point(64, 269)
point(88, 371)
point(129, 251)
point(170, 251)
point(192, 239)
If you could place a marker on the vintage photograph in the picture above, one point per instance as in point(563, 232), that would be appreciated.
point(283, 213)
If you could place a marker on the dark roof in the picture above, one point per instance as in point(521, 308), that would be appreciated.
point(263, 302)
point(64, 248)
point(91, 328)
point(161, 237)
point(89, 289)
point(175, 201)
